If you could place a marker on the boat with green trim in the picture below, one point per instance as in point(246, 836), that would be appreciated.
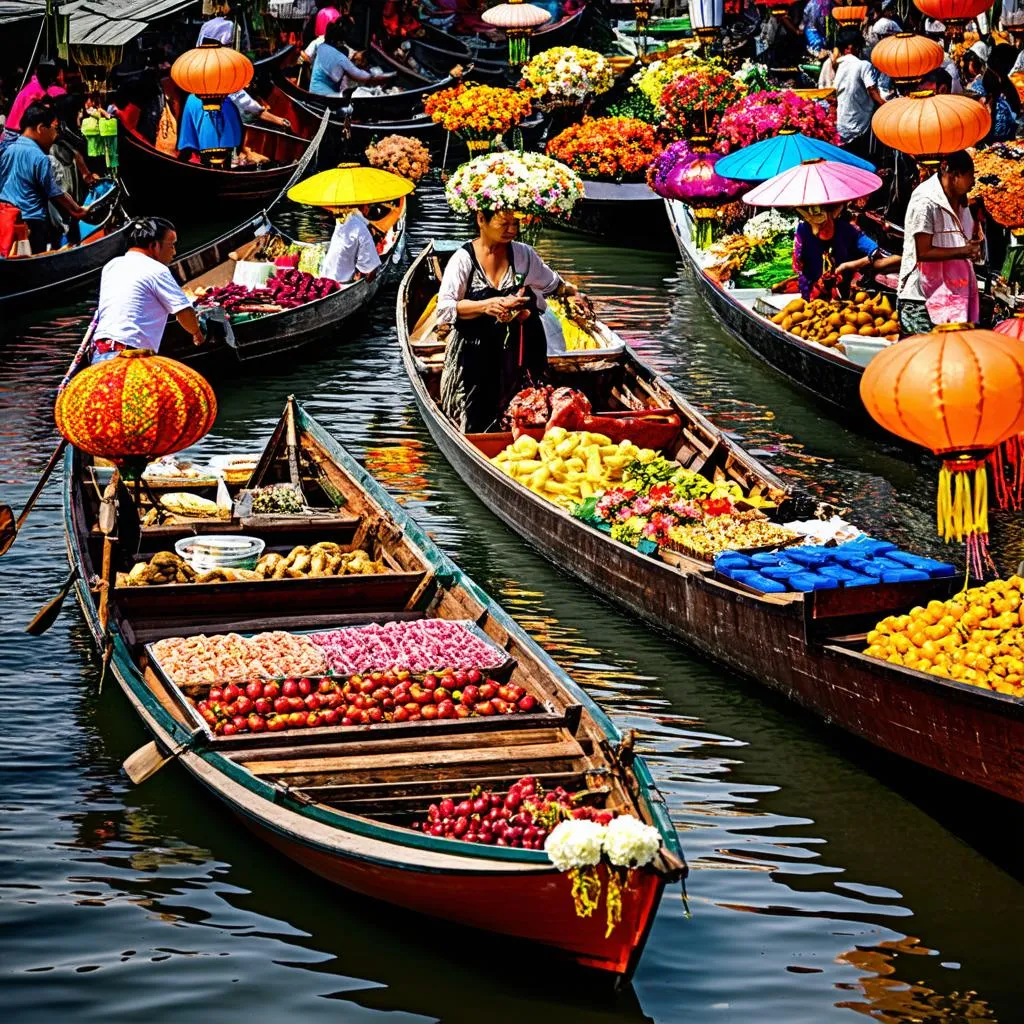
point(338, 800)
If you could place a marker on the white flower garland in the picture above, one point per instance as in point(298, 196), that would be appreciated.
point(625, 841)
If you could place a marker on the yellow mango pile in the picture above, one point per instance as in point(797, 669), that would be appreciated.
point(975, 637)
point(827, 323)
point(568, 466)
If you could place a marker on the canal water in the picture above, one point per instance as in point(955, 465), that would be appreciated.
point(828, 880)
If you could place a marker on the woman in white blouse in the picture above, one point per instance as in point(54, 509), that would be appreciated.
point(489, 306)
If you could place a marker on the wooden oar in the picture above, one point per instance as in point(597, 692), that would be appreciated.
point(150, 758)
point(47, 615)
point(9, 526)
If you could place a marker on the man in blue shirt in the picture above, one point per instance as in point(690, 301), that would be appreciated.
point(334, 71)
point(26, 177)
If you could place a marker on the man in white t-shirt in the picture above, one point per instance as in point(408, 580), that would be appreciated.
point(138, 293)
point(352, 251)
point(857, 94)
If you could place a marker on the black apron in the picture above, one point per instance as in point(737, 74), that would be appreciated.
point(486, 362)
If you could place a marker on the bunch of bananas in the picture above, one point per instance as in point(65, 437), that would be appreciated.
point(568, 466)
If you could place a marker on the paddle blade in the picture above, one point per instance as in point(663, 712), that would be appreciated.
point(144, 763)
point(8, 528)
point(47, 615)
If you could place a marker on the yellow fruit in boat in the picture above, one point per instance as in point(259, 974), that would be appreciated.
point(847, 329)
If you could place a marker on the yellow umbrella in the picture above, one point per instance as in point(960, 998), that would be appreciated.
point(350, 185)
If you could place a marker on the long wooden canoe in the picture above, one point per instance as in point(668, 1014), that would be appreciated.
point(558, 32)
point(806, 646)
point(52, 277)
point(822, 373)
point(276, 333)
point(338, 800)
point(624, 213)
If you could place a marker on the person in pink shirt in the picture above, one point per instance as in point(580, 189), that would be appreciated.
point(44, 83)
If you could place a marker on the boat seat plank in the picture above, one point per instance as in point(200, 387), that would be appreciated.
point(447, 757)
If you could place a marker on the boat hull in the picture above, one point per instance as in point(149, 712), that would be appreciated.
point(626, 214)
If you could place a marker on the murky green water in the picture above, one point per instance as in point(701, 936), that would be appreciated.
point(827, 879)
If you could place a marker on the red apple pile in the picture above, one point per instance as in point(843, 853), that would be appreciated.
point(523, 817)
point(361, 699)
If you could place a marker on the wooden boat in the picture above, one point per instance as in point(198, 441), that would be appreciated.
point(625, 213)
point(389, 107)
point(806, 646)
point(823, 373)
point(434, 63)
point(50, 277)
point(214, 264)
point(156, 180)
point(338, 800)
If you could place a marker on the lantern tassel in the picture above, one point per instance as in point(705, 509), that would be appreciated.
point(962, 512)
point(1007, 464)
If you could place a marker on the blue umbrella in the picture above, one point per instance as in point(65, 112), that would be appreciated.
point(763, 160)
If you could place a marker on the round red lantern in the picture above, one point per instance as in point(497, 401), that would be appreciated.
point(134, 408)
point(212, 71)
point(960, 393)
point(906, 57)
point(927, 126)
point(954, 14)
point(849, 13)
point(1012, 328)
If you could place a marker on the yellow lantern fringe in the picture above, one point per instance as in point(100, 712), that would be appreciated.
point(960, 513)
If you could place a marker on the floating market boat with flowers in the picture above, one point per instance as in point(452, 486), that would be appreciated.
point(343, 689)
point(619, 481)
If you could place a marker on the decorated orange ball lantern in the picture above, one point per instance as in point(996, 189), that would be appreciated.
point(849, 13)
point(960, 393)
point(954, 14)
point(212, 71)
point(927, 126)
point(906, 57)
point(134, 408)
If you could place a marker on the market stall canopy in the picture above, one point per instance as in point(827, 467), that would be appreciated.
point(814, 183)
point(98, 22)
point(766, 159)
point(350, 185)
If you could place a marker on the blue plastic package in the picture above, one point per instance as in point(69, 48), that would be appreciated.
point(732, 559)
point(860, 581)
point(810, 556)
point(758, 582)
point(811, 581)
point(763, 558)
point(903, 575)
point(837, 572)
point(870, 546)
point(782, 571)
point(929, 565)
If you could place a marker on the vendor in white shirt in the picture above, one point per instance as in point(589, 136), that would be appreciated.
point(138, 293)
point(251, 109)
point(352, 253)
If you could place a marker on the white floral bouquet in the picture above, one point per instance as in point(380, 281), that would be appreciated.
point(578, 846)
point(526, 183)
point(567, 75)
point(765, 226)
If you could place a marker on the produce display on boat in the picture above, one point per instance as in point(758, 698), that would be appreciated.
point(860, 562)
point(190, 506)
point(829, 322)
point(422, 645)
point(172, 471)
point(758, 256)
point(285, 289)
point(373, 698)
point(975, 637)
point(277, 499)
point(232, 658)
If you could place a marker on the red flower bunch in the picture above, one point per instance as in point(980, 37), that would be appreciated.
point(694, 103)
point(762, 115)
point(607, 148)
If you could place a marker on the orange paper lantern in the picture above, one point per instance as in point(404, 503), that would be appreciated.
point(960, 393)
point(135, 407)
point(212, 71)
point(954, 14)
point(927, 126)
point(906, 57)
point(850, 14)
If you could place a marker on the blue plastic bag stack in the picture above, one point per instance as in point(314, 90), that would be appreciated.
point(857, 563)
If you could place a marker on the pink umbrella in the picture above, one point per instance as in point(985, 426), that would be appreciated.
point(814, 183)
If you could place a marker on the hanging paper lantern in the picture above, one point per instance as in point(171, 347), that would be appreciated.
point(212, 72)
point(954, 14)
point(849, 13)
point(517, 20)
point(1012, 328)
point(927, 126)
point(135, 408)
point(706, 17)
point(906, 57)
point(960, 393)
